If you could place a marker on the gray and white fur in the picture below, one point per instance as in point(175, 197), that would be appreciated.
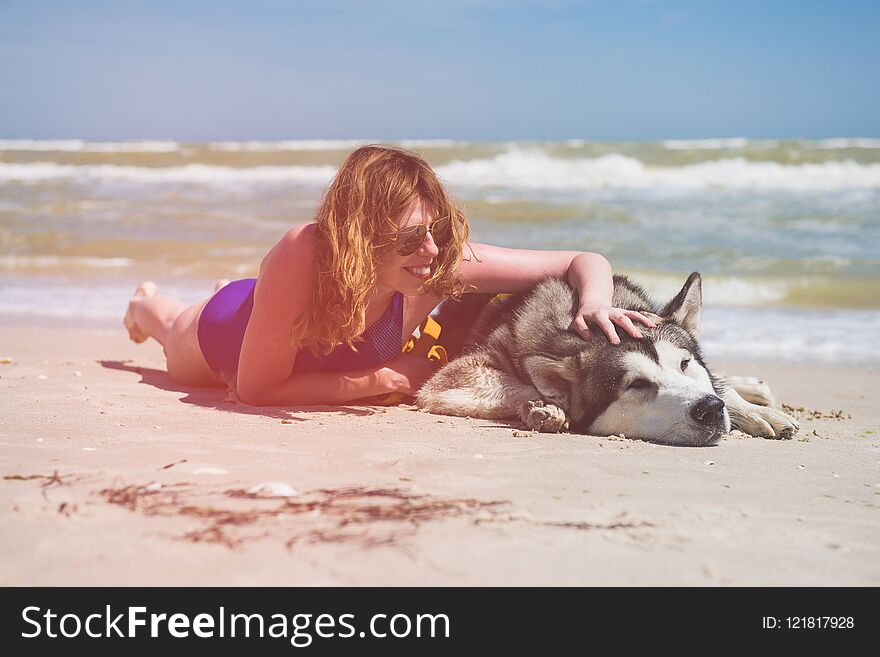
point(520, 360)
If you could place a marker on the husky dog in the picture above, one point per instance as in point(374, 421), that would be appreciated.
point(521, 360)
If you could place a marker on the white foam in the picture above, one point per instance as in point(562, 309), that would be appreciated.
point(200, 174)
point(718, 291)
point(845, 142)
point(41, 145)
point(167, 146)
point(791, 335)
point(515, 169)
point(288, 145)
point(80, 146)
point(43, 261)
point(734, 323)
point(267, 146)
point(325, 144)
point(534, 169)
point(55, 297)
point(430, 143)
point(728, 143)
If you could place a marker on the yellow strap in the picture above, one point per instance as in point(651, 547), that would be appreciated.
point(425, 345)
point(438, 354)
point(429, 331)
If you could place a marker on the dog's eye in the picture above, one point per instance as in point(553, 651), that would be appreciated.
point(639, 384)
point(684, 363)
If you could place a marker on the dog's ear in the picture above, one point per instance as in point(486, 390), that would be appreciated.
point(551, 376)
point(686, 306)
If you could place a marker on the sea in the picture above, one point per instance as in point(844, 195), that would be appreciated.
point(786, 233)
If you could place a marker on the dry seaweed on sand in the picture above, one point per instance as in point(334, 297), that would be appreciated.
point(369, 517)
point(149, 500)
point(831, 415)
point(171, 465)
point(811, 414)
point(566, 524)
point(363, 539)
point(394, 504)
point(361, 516)
point(596, 525)
point(54, 479)
point(24, 477)
point(216, 533)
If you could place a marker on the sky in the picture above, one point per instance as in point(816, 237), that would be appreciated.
point(484, 70)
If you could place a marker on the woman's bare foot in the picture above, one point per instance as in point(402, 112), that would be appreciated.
point(220, 284)
point(145, 289)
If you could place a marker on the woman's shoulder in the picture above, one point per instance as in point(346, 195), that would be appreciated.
point(290, 262)
point(299, 240)
point(294, 247)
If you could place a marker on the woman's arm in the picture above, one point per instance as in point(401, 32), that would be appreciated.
point(404, 374)
point(497, 269)
point(283, 292)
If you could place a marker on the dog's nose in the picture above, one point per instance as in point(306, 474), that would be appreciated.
point(708, 411)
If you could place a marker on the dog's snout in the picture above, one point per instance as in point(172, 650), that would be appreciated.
point(708, 411)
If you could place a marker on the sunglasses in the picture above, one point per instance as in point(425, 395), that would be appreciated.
point(410, 238)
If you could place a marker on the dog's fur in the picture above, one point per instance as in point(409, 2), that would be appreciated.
point(520, 360)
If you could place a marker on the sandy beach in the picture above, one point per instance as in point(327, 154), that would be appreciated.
point(114, 475)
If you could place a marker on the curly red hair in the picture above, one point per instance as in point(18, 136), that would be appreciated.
point(356, 223)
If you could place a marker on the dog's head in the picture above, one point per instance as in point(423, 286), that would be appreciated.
point(657, 388)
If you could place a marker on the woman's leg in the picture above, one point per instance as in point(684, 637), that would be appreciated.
point(174, 325)
point(150, 315)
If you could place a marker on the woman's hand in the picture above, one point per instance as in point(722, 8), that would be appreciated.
point(589, 274)
point(411, 372)
point(604, 317)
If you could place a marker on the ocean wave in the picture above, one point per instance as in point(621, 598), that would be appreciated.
point(791, 335)
point(726, 143)
point(792, 291)
point(325, 144)
point(773, 334)
point(204, 174)
point(80, 146)
point(845, 142)
point(287, 145)
point(280, 145)
point(515, 169)
point(47, 261)
point(168, 146)
point(535, 169)
point(431, 143)
point(56, 297)
point(718, 291)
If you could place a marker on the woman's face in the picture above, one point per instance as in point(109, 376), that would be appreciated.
point(407, 273)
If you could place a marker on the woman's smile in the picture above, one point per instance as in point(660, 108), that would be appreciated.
point(422, 272)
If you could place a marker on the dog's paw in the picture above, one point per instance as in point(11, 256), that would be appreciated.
point(767, 423)
point(546, 418)
point(752, 389)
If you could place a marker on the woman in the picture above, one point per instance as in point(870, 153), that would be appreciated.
point(325, 320)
